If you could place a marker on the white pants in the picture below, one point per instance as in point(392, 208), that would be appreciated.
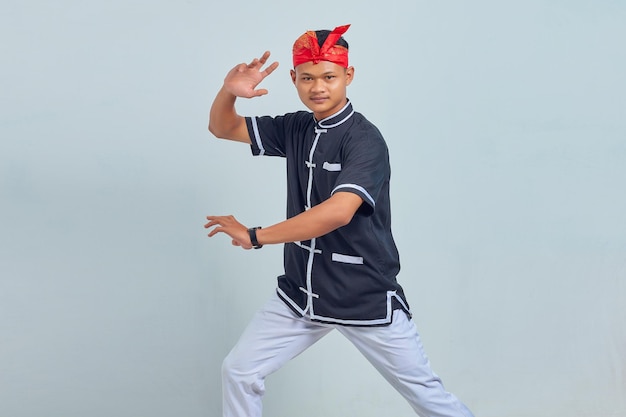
point(276, 335)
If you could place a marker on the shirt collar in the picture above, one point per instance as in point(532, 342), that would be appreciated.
point(338, 118)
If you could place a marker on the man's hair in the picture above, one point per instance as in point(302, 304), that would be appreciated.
point(323, 34)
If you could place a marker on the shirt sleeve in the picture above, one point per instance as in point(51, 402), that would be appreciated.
point(365, 167)
point(267, 135)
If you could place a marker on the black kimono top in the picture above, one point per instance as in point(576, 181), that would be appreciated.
point(347, 276)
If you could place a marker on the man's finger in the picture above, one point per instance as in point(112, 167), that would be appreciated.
point(264, 57)
point(212, 222)
point(215, 231)
point(270, 69)
point(241, 67)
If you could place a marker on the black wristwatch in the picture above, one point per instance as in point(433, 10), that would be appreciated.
point(253, 240)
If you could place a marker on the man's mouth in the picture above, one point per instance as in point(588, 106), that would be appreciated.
point(318, 100)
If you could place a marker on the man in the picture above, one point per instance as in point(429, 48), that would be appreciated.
point(340, 258)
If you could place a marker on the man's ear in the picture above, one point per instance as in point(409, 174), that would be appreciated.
point(349, 75)
point(293, 76)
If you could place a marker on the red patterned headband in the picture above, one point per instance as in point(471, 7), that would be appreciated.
point(307, 49)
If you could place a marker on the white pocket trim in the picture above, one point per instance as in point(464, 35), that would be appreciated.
point(331, 167)
point(347, 259)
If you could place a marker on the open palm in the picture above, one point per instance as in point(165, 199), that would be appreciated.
point(242, 80)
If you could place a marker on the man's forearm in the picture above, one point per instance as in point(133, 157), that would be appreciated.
point(224, 122)
point(332, 214)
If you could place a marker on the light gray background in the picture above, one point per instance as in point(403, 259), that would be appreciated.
point(506, 123)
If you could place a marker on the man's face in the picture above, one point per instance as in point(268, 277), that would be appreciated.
point(322, 86)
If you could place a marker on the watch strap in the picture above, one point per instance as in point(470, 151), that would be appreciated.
point(253, 239)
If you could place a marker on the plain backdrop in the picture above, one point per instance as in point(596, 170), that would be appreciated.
point(506, 124)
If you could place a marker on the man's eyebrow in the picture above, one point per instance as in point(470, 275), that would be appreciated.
point(326, 73)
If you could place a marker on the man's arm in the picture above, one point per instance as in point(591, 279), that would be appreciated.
point(321, 219)
point(241, 81)
point(224, 122)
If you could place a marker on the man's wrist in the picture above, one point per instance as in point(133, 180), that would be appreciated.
point(253, 237)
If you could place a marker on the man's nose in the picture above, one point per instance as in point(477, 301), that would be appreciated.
point(318, 85)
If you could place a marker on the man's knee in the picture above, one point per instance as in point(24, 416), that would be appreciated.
point(230, 367)
point(241, 374)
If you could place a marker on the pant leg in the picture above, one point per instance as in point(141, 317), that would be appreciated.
point(397, 353)
point(274, 336)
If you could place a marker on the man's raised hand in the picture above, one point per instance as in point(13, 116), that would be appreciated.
point(242, 80)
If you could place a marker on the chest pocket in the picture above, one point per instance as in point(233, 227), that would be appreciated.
point(331, 167)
